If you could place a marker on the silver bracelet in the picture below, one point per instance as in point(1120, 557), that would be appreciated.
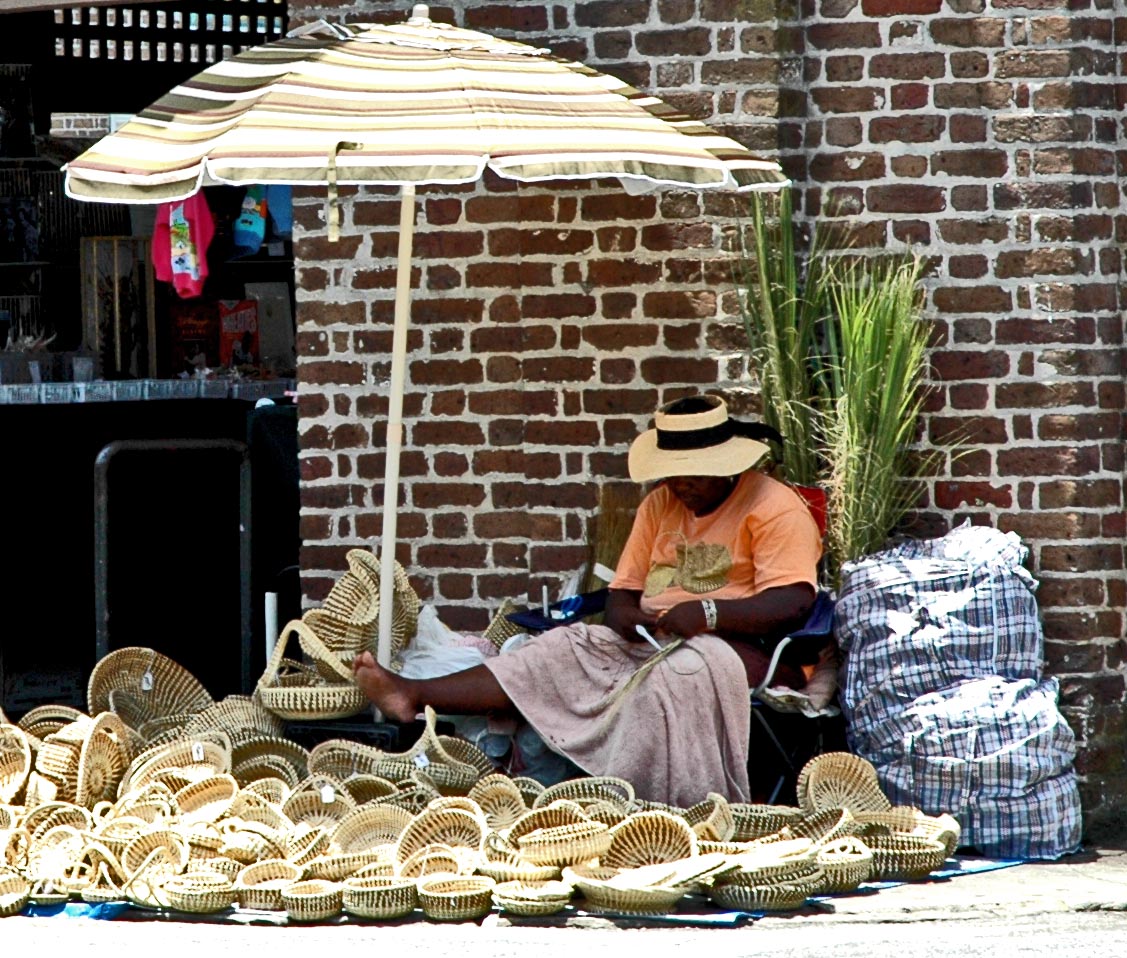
point(709, 607)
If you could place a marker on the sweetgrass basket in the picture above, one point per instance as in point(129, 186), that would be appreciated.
point(840, 780)
point(312, 899)
point(15, 762)
point(779, 896)
point(845, 863)
point(532, 899)
point(260, 885)
point(905, 857)
point(752, 821)
point(606, 890)
point(456, 898)
point(565, 844)
point(582, 791)
point(207, 800)
point(560, 812)
point(712, 819)
point(499, 799)
point(369, 827)
point(14, 893)
point(240, 717)
point(319, 800)
point(201, 892)
point(453, 827)
point(160, 685)
point(294, 691)
point(647, 838)
point(380, 897)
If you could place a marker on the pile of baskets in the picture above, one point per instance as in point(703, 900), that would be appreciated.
point(164, 798)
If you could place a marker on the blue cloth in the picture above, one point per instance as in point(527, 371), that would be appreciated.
point(279, 205)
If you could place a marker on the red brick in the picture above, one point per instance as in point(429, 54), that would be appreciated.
point(558, 369)
point(972, 299)
point(684, 42)
point(432, 495)
point(1041, 129)
point(969, 32)
point(616, 337)
point(561, 242)
point(674, 236)
point(668, 369)
point(906, 129)
point(334, 373)
point(951, 495)
point(907, 66)
point(1079, 427)
point(970, 364)
point(990, 96)
point(974, 430)
point(1079, 493)
point(905, 199)
point(1032, 63)
point(506, 18)
point(1043, 395)
point(980, 163)
point(838, 167)
point(1049, 461)
point(848, 99)
point(1041, 262)
point(838, 36)
point(910, 96)
point(557, 305)
point(445, 372)
point(508, 275)
point(893, 8)
point(679, 305)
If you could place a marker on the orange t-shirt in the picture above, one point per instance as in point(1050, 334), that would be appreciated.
point(760, 537)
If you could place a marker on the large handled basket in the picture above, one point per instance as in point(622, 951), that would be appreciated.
point(295, 691)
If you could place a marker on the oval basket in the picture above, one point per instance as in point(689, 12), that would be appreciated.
point(840, 780)
point(565, 844)
point(647, 838)
point(201, 893)
point(260, 885)
point(297, 692)
point(312, 899)
point(159, 685)
point(532, 899)
point(456, 898)
point(15, 890)
point(380, 897)
point(845, 863)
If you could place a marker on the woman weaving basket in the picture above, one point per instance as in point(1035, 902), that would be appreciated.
point(720, 559)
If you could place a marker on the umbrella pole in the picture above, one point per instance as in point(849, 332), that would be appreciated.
point(395, 420)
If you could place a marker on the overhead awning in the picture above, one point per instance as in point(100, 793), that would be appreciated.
point(25, 6)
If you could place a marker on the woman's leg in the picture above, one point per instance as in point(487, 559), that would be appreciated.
point(471, 692)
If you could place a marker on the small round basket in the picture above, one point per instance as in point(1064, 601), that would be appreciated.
point(15, 890)
point(779, 896)
point(454, 827)
point(608, 890)
point(565, 844)
point(259, 886)
point(436, 859)
point(313, 899)
point(751, 822)
point(712, 819)
point(380, 897)
point(647, 838)
point(845, 863)
point(558, 813)
point(202, 893)
point(319, 800)
point(823, 827)
point(370, 826)
point(904, 857)
point(206, 800)
point(592, 789)
point(532, 899)
point(499, 799)
point(239, 716)
point(840, 780)
point(162, 686)
point(456, 898)
point(15, 762)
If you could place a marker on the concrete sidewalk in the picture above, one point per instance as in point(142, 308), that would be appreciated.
point(1090, 880)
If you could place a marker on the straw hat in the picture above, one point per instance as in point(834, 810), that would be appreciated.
point(695, 437)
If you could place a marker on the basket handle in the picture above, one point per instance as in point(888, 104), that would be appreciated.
point(315, 647)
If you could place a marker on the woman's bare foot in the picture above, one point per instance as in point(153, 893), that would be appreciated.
point(392, 695)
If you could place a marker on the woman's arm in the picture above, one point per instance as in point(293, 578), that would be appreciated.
point(623, 612)
point(770, 612)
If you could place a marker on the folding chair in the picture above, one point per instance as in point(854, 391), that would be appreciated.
point(787, 723)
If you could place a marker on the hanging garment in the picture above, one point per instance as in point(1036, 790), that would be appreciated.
point(250, 226)
point(182, 234)
point(279, 206)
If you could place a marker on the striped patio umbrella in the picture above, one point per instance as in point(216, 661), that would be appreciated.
point(406, 104)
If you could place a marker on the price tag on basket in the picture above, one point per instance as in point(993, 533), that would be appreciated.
point(328, 794)
point(421, 761)
point(197, 751)
point(147, 682)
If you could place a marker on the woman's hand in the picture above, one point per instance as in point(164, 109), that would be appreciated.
point(624, 614)
point(683, 621)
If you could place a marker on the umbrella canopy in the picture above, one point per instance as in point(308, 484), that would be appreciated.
point(418, 102)
point(405, 104)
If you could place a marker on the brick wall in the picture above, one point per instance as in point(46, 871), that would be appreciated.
point(547, 323)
